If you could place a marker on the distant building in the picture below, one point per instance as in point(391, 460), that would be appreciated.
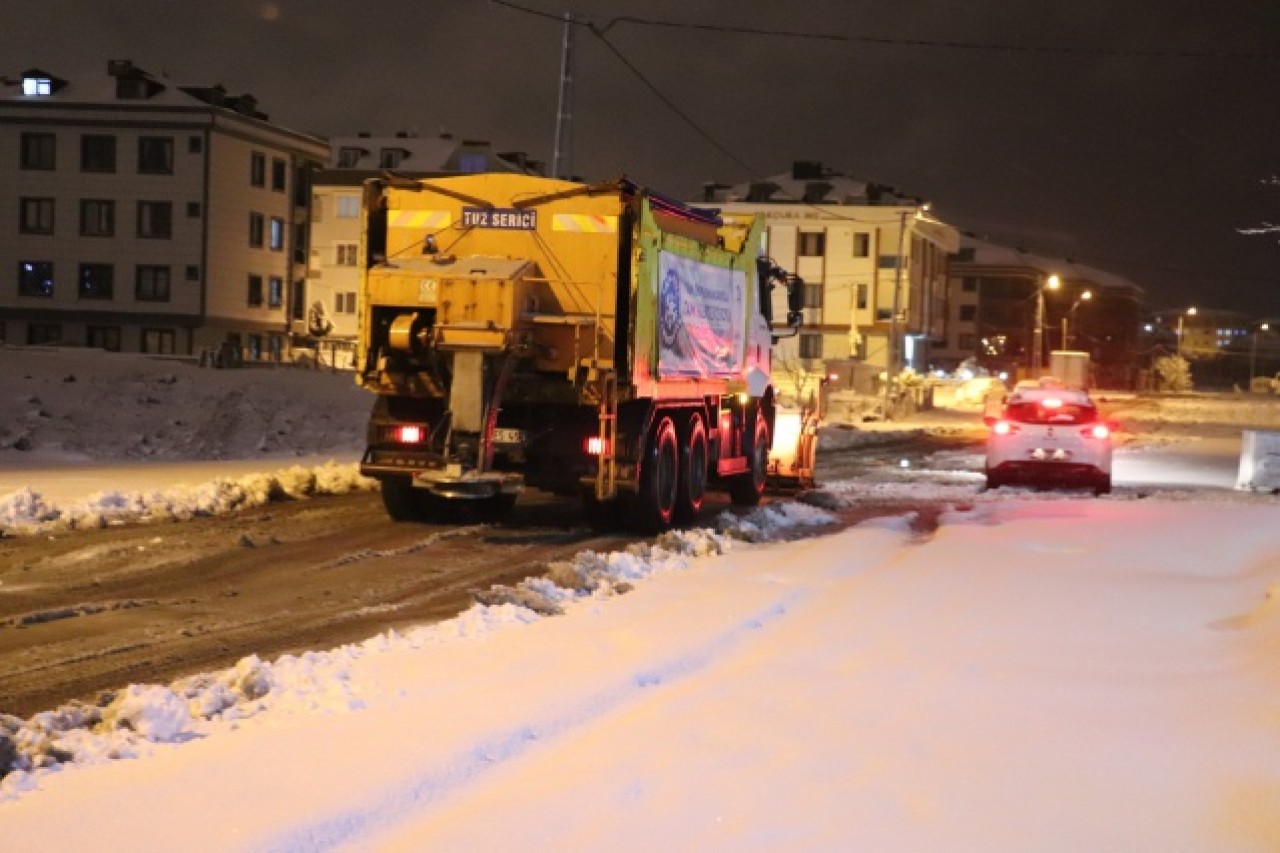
point(137, 214)
point(864, 251)
point(333, 277)
point(993, 294)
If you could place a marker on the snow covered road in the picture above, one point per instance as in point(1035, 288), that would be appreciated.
point(1047, 674)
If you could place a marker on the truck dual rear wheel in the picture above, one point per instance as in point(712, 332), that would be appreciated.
point(747, 489)
point(659, 479)
point(692, 484)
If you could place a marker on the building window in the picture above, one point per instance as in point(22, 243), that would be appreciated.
point(39, 151)
point(44, 333)
point(968, 313)
point(344, 303)
point(473, 162)
point(193, 210)
point(103, 337)
point(812, 244)
point(275, 291)
point(36, 216)
point(348, 207)
point(97, 153)
point(155, 155)
point(862, 297)
point(861, 245)
point(278, 174)
point(255, 347)
point(298, 299)
point(155, 219)
point(35, 278)
point(97, 218)
point(346, 254)
point(969, 284)
point(888, 262)
point(193, 272)
point(968, 342)
point(258, 169)
point(277, 234)
point(152, 284)
point(158, 341)
point(96, 281)
point(300, 242)
point(37, 87)
point(349, 157)
point(811, 346)
point(275, 347)
point(255, 290)
point(390, 158)
point(813, 295)
point(257, 229)
point(195, 144)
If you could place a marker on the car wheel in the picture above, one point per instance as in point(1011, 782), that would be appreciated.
point(1103, 485)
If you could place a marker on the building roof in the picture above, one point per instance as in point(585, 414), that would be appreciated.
point(425, 155)
point(987, 254)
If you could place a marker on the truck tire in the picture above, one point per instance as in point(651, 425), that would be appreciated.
point(747, 489)
point(401, 499)
point(659, 480)
point(691, 486)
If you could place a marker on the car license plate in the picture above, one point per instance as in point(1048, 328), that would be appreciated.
point(502, 435)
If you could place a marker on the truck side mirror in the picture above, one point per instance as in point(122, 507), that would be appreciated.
point(795, 295)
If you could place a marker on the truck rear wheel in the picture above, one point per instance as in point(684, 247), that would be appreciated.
point(402, 501)
point(747, 489)
point(659, 478)
point(692, 484)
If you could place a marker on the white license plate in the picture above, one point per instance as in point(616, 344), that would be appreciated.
point(502, 435)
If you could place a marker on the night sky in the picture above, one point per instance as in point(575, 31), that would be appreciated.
point(1131, 135)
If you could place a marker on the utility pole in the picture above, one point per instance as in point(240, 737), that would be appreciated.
point(561, 159)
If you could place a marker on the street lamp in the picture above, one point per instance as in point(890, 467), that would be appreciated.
point(1190, 312)
point(1253, 350)
point(892, 356)
point(1083, 297)
point(1037, 332)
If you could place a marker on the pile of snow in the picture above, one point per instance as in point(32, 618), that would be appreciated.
point(79, 404)
point(26, 512)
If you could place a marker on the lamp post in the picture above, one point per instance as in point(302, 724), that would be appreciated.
point(1253, 350)
point(1084, 297)
point(892, 355)
point(1037, 331)
point(1190, 312)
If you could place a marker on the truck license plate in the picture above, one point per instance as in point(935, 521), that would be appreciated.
point(502, 435)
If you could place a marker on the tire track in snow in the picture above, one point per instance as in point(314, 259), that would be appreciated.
point(474, 763)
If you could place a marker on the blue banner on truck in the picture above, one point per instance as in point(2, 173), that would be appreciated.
point(505, 218)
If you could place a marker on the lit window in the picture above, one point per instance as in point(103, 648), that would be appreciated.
point(813, 244)
point(277, 234)
point(346, 254)
point(37, 87)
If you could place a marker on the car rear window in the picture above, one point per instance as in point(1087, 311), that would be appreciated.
point(1050, 411)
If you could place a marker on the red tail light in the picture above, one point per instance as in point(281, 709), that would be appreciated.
point(1098, 431)
point(409, 434)
point(595, 445)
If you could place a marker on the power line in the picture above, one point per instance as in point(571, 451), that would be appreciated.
point(885, 41)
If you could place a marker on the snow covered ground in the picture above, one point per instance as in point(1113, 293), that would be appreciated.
point(1033, 672)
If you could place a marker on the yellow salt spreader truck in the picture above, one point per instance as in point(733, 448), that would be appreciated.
point(593, 340)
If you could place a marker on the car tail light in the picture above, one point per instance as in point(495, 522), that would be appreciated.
point(410, 434)
point(595, 445)
point(1098, 431)
point(1003, 428)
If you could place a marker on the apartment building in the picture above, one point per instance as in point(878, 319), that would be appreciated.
point(141, 215)
point(333, 274)
point(1001, 301)
point(874, 262)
